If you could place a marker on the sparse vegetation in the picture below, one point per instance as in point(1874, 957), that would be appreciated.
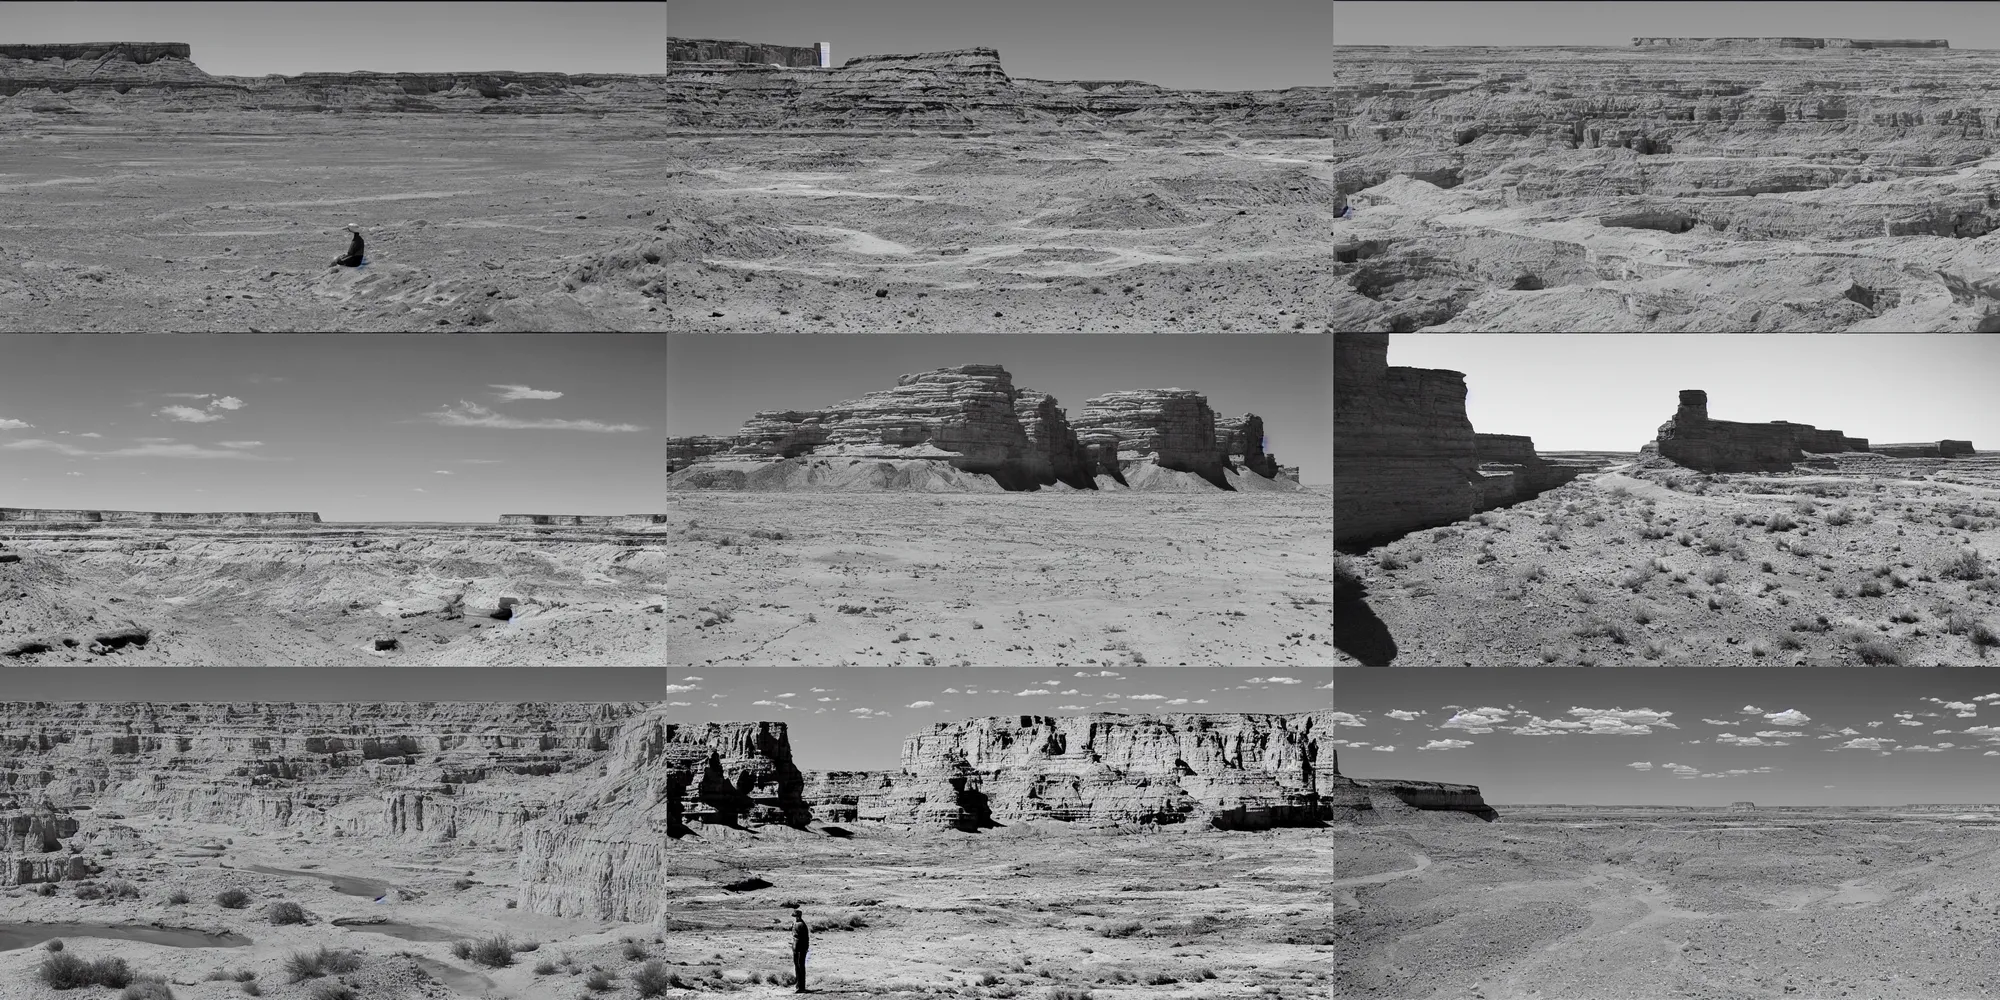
point(177, 897)
point(332, 991)
point(494, 952)
point(63, 970)
point(287, 912)
point(1840, 516)
point(1877, 652)
point(597, 981)
point(1967, 565)
point(232, 899)
point(1714, 575)
point(1873, 588)
point(652, 979)
point(150, 988)
point(633, 950)
point(1121, 930)
point(1780, 522)
point(303, 965)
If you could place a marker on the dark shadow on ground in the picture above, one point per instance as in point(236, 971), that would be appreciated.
point(1356, 629)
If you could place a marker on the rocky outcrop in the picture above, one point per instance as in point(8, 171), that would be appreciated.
point(1225, 771)
point(1793, 43)
point(714, 50)
point(157, 517)
point(972, 420)
point(1405, 456)
point(1694, 440)
point(1374, 799)
point(732, 85)
point(836, 796)
point(35, 842)
point(584, 519)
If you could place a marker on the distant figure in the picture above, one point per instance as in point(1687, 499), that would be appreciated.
point(1347, 212)
point(801, 942)
point(353, 258)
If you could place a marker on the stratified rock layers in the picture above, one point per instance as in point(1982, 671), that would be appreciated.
point(1405, 456)
point(716, 50)
point(158, 517)
point(973, 419)
point(1369, 799)
point(1694, 440)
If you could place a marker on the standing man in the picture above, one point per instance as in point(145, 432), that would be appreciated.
point(801, 942)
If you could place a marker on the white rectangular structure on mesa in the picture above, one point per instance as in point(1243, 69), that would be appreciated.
point(825, 54)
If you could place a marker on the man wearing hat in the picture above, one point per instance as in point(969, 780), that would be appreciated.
point(801, 941)
point(353, 258)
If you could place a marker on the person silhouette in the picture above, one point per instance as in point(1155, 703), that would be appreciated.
point(801, 943)
point(353, 257)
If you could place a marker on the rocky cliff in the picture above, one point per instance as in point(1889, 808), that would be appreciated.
point(1372, 799)
point(973, 420)
point(1691, 438)
point(584, 519)
point(1405, 456)
point(953, 90)
point(156, 517)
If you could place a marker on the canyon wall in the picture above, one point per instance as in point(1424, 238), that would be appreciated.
point(715, 50)
point(949, 90)
point(1373, 799)
point(632, 520)
point(1794, 43)
point(1405, 456)
point(1694, 440)
point(157, 517)
point(973, 419)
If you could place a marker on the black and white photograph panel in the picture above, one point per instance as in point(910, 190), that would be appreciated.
point(1033, 166)
point(625, 834)
point(1667, 500)
point(1714, 167)
point(713, 165)
point(285, 500)
point(1653, 834)
point(1000, 500)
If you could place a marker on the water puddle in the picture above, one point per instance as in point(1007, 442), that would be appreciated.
point(408, 932)
point(17, 936)
point(459, 980)
point(346, 884)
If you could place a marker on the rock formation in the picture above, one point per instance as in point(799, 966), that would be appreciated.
point(584, 519)
point(1369, 799)
point(726, 85)
point(1405, 456)
point(1694, 440)
point(156, 517)
point(714, 50)
point(972, 418)
point(597, 798)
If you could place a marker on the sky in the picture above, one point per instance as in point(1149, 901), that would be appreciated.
point(715, 382)
point(839, 718)
point(253, 39)
point(1611, 392)
point(1966, 25)
point(1188, 44)
point(1804, 736)
point(355, 427)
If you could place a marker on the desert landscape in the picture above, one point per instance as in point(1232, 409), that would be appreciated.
point(611, 850)
point(132, 588)
point(1639, 901)
point(1710, 184)
point(914, 193)
point(1719, 543)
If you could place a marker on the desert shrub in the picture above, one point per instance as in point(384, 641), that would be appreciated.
point(1635, 579)
point(1873, 588)
point(1967, 565)
point(304, 965)
point(1878, 653)
point(1840, 516)
point(1714, 575)
point(63, 971)
point(545, 968)
point(597, 981)
point(177, 897)
point(1598, 627)
point(494, 952)
point(1982, 637)
point(1387, 560)
point(633, 951)
point(148, 989)
point(1653, 650)
point(1685, 539)
point(988, 979)
point(651, 979)
point(1767, 567)
point(462, 884)
point(1653, 533)
point(1121, 930)
point(232, 899)
point(1789, 641)
point(1780, 522)
point(1818, 624)
point(1805, 508)
point(1759, 649)
point(89, 891)
point(45, 889)
point(1643, 616)
point(1069, 993)
point(461, 950)
point(1961, 522)
point(252, 989)
point(332, 991)
point(1958, 622)
point(1840, 590)
point(121, 889)
point(1711, 547)
point(54, 945)
point(287, 912)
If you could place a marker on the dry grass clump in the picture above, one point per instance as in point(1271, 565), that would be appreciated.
point(1597, 627)
point(287, 912)
point(653, 979)
point(304, 965)
point(1967, 565)
point(1878, 652)
point(494, 952)
point(1873, 588)
point(1840, 516)
point(1121, 930)
point(1780, 522)
point(177, 897)
point(63, 970)
point(332, 991)
point(597, 981)
point(232, 899)
point(148, 988)
point(1714, 575)
point(633, 949)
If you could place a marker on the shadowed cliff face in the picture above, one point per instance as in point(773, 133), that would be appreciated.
point(156, 517)
point(1388, 799)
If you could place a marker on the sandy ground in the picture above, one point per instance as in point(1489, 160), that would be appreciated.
point(1173, 916)
point(1673, 568)
point(1598, 903)
point(1002, 580)
point(612, 223)
point(320, 595)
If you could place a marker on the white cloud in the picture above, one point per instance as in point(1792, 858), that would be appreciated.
point(1178, 701)
point(1963, 708)
point(1100, 673)
point(523, 392)
point(1073, 708)
point(1384, 749)
point(419, 489)
point(920, 704)
point(155, 448)
point(187, 395)
point(72, 473)
point(1749, 710)
point(227, 403)
point(789, 694)
point(1328, 686)
point(1641, 765)
point(240, 444)
point(1397, 713)
point(1446, 745)
point(683, 704)
point(1476, 720)
point(467, 414)
point(441, 472)
point(90, 434)
point(1788, 717)
point(1146, 697)
point(187, 414)
point(1344, 719)
point(1030, 691)
point(1940, 748)
point(1275, 680)
point(1865, 743)
point(1719, 722)
point(763, 703)
point(1753, 741)
point(13, 425)
point(678, 688)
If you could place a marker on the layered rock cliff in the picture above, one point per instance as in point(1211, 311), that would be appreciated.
point(973, 419)
point(1405, 456)
point(1372, 799)
point(729, 85)
point(232, 519)
point(1691, 438)
point(584, 519)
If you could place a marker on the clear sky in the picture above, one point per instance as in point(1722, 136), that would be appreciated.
point(1611, 392)
point(840, 718)
point(358, 427)
point(1967, 25)
point(252, 39)
point(715, 382)
point(1678, 737)
point(1189, 44)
